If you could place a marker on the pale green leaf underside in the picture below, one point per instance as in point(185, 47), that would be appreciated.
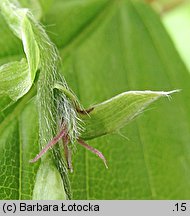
point(115, 113)
point(16, 78)
point(49, 184)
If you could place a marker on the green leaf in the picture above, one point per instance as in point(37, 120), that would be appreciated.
point(126, 47)
point(18, 142)
point(115, 113)
point(119, 46)
point(16, 78)
point(76, 15)
point(12, 75)
point(49, 184)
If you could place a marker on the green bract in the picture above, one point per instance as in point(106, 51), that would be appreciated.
point(118, 111)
